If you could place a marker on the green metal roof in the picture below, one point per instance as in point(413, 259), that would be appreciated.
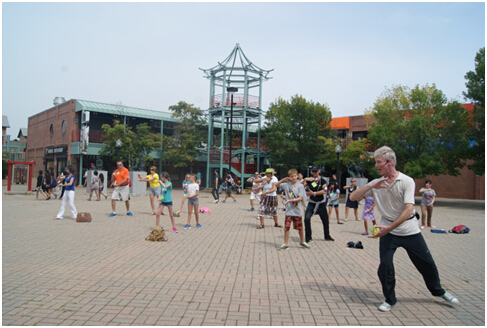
point(116, 109)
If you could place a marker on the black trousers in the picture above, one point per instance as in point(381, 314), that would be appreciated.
point(215, 194)
point(419, 254)
point(323, 216)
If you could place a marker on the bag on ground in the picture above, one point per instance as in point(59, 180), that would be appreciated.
point(460, 229)
point(83, 217)
point(156, 234)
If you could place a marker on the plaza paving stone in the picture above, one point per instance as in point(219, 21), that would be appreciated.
point(226, 274)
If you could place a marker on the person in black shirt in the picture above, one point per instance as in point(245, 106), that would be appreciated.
point(316, 203)
point(40, 185)
point(214, 191)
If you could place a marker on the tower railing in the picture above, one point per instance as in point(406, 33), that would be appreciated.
point(238, 101)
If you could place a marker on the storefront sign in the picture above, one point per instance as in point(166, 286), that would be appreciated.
point(51, 151)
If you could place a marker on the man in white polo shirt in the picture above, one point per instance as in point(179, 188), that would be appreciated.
point(394, 197)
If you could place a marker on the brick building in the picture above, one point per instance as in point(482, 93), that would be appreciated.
point(465, 186)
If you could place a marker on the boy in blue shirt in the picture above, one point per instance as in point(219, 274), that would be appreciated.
point(294, 192)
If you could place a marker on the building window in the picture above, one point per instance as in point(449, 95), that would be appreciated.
point(63, 127)
point(51, 130)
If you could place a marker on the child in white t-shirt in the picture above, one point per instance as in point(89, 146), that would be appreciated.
point(193, 190)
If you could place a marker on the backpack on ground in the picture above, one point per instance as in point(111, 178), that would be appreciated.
point(156, 234)
point(460, 229)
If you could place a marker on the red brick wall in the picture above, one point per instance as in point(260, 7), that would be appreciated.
point(39, 136)
point(465, 186)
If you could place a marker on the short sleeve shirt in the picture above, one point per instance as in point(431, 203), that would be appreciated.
point(166, 196)
point(428, 197)
point(317, 185)
point(154, 183)
point(268, 186)
point(390, 202)
point(293, 208)
point(192, 188)
point(120, 175)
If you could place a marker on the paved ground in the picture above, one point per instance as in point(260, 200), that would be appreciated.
point(228, 273)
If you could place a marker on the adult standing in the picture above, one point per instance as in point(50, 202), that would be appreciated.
point(121, 190)
point(102, 184)
point(154, 187)
point(427, 201)
point(333, 180)
point(214, 190)
point(68, 185)
point(316, 193)
point(256, 190)
point(394, 196)
point(268, 204)
point(229, 182)
point(40, 185)
point(351, 203)
point(95, 186)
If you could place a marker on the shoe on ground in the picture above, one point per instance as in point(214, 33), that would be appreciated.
point(130, 214)
point(309, 241)
point(174, 230)
point(449, 298)
point(422, 227)
point(111, 215)
point(431, 226)
point(223, 201)
point(187, 227)
point(283, 247)
point(365, 233)
point(199, 226)
point(385, 307)
point(305, 245)
point(215, 201)
point(235, 201)
point(330, 239)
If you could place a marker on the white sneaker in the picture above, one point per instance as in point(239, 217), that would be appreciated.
point(450, 298)
point(215, 201)
point(385, 307)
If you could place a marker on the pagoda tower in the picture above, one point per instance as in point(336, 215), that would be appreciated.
point(235, 116)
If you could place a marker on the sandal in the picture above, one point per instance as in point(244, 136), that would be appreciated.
point(260, 227)
point(277, 225)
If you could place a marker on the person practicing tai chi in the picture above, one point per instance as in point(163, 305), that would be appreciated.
point(394, 197)
point(294, 193)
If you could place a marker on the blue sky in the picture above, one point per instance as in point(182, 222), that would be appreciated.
point(148, 55)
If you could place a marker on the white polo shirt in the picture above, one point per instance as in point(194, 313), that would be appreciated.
point(391, 200)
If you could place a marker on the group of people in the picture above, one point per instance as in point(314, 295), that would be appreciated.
point(393, 195)
point(46, 183)
point(227, 186)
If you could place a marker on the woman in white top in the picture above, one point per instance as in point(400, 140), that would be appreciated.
point(268, 203)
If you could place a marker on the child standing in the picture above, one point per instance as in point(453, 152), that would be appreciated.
point(193, 192)
point(427, 203)
point(165, 199)
point(333, 201)
point(294, 193)
point(186, 183)
point(368, 213)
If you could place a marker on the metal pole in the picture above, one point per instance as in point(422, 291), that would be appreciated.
point(338, 168)
point(231, 134)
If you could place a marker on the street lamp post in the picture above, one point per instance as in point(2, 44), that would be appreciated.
point(118, 144)
point(338, 150)
point(231, 91)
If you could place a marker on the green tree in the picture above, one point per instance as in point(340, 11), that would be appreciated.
point(135, 146)
point(425, 130)
point(294, 132)
point(189, 134)
point(476, 92)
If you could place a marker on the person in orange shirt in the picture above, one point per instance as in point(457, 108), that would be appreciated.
point(120, 182)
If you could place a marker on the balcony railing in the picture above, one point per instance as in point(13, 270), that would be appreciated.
point(238, 101)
